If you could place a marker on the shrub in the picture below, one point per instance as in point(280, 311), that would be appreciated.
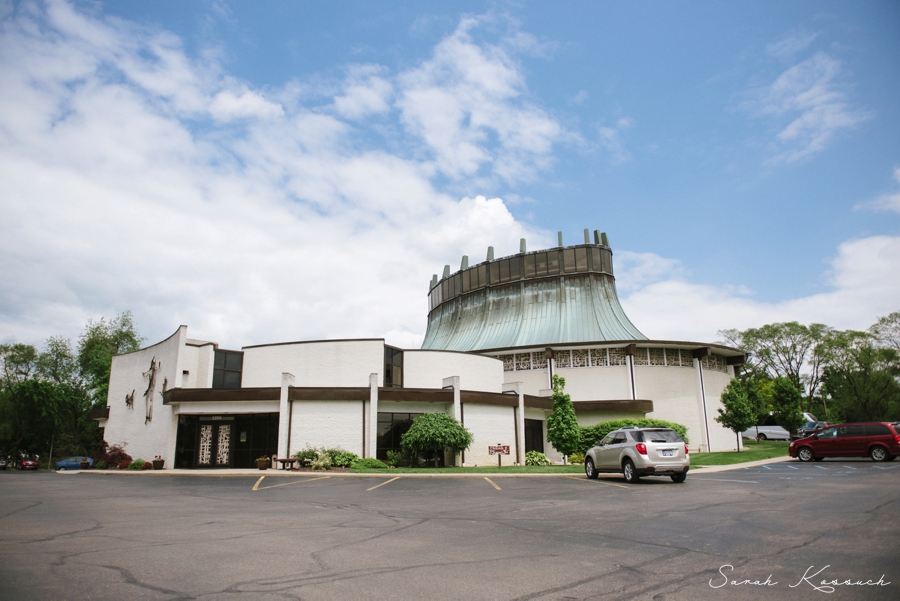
point(111, 454)
point(341, 458)
point(431, 434)
point(123, 465)
point(536, 458)
point(576, 458)
point(100, 465)
point(308, 455)
point(136, 464)
point(369, 463)
point(146, 466)
point(562, 425)
point(394, 458)
point(592, 434)
point(321, 462)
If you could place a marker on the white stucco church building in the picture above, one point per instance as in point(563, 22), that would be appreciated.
point(497, 332)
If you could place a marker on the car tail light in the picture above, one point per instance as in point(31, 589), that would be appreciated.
point(686, 450)
point(897, 438)
point(641, 448)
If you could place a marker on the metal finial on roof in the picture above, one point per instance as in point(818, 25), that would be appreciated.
point(490, 255)
point(559, 237)
point(433, 280)
point(464, 264)
point(446, 271)
point(587, 236)
point(603, 239)
point(596, 236)
point(522, 245)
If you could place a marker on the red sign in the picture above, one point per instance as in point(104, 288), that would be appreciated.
point(500, 449)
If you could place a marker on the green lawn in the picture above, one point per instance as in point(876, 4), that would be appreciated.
point(753, 451)
point(513, 469)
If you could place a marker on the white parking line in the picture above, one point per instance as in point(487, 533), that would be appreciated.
point(848, 467)
point(725, 480)
point(767, 467)
point(792, 467)
point(820, 467)
point(882, 467)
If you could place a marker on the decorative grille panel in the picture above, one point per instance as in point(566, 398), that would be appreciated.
point(640, 356)
point(616, 356)
point(562, 358)
point(523, 361)
point(579, 358)
point(687, 358)
point(205, 444)
point(657, 356)
point(598, 357)
point(539, 360)
point(508, 362)
point(224, 444)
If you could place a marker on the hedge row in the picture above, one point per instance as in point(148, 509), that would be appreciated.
point(591, 434)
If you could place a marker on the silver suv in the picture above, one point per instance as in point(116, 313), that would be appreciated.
point(639, 452)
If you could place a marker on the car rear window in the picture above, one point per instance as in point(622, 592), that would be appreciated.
point(656, 436)
point(877, 430)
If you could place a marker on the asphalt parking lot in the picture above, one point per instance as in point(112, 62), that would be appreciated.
point(89, 536)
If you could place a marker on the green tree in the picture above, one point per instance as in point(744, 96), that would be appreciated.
point(562, 425)
point(790, 350)
point(431, 434)
point(18, 361)
point(740, 413)
point(786, 407)
point(30, 411)
point(887, 331)
point(861, 377)
point(96, 347)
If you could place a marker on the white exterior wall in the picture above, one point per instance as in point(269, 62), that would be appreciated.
point(126, 426)
point(592, 418)
point(489, 425)
point(597, 383)
point(329, 424)
point(720, 439)
point(329, 363)
point(404, 407)
point(427, 369)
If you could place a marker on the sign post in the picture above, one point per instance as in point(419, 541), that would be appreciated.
point(499, 450)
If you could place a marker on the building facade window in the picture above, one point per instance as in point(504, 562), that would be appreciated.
point(227, 368)
point(393, 367)
point(391, 427)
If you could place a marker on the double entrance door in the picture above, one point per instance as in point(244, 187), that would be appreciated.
point(215, 444)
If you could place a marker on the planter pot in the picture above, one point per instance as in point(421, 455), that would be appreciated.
point(158, 464)
point(262, 464)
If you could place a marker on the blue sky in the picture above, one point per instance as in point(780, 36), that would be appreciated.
point(282, 171)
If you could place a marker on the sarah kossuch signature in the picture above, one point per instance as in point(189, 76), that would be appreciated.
point(823, 586)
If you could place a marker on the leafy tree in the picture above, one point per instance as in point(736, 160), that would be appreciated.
point(431, 434)
point(30, 411)
point(18, 362)
point(887, 330)
point(861, 377)
point(562, 425)
point(790, 350)
point(739, 411)
point(786, 404)
point(96, 347)
point(58, 363)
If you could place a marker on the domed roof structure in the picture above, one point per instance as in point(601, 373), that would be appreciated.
point(555, 296)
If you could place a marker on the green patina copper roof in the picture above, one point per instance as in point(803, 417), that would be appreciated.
point(555, 296)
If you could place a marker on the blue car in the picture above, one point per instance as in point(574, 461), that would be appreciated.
point(73, 463)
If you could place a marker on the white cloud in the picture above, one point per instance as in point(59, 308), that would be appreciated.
point(788, 47)
point(365, 93)
point(886, 202)
point(118, 195)
point(228, 105)
point(864, 279)
point(611, 140)
point(808, 95)
point(467, 104)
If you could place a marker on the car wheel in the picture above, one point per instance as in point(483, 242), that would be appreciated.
point(679, 478)
point(878, 453)
point(805, 454)
point(62, 469)
point(589, 470)
point(631, 475)
point(761, 437)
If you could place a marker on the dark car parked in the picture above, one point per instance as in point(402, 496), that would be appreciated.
point(27, 463)
point(810, 428)
point(878, 440)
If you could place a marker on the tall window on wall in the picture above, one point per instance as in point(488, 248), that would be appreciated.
point(227, 369)
point(393, 367)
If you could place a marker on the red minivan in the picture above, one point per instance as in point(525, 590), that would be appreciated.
point(878, 440)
